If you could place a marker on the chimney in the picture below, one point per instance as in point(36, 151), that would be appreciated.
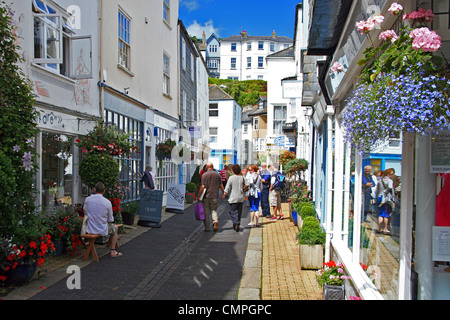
point(244, 34)
point(274, 35)
point(204, 38)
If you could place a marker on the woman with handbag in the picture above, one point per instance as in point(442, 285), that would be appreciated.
point(235, 189)
point(254, 194)
point(385, 199)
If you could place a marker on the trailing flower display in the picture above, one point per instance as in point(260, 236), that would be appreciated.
point(401, 88)
point(164, 149)
point(107, 139)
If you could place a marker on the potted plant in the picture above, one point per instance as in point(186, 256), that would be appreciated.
point(64, 228)
point(22, 254)
point(311, 240)
point(331, 278)
point(190, 194)
point(129, 210)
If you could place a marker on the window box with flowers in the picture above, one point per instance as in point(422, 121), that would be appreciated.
point(402, 87)
point(331, 278)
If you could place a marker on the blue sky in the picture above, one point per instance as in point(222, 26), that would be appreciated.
point(229, 17)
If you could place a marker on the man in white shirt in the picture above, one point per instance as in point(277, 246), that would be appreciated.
point(100, 217)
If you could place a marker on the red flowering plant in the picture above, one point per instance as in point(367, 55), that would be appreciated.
point(65, 226)
point(371, 274)
point(332, 274)
point(30, 244)
point(164, 149)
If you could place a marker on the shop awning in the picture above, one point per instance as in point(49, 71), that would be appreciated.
point(328, 20)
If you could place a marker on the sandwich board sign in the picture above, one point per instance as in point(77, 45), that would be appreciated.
point(150, 208)
point(175, 198)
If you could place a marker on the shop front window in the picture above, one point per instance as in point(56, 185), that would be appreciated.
point(379, 224)
point(57, 171)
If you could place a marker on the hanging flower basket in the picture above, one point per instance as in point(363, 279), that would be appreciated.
point(403, 87)
point(164, 149)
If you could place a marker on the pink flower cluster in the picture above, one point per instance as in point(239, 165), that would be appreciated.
point(366, 26)
point(422, 15)
point(425, 39)
point(337, 67)
point(388, 34)
point(395, 8)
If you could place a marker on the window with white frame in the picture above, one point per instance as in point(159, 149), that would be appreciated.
point(166, 74)
point(249, 62)
point(183, 54)
point(260, 45)
point(213, 48)
point(192, 67)
point(56, 46)
point(272, 47)
point(255, 124)
point(212, 64)
point(184, 106)
point(249, 46)
point(233, 63)
point(279, 117)
point(233, 46)
point(213, 110)
point(259, 144)
point(124, 40)
point(166, 11)
point(213, 133)
point(245, 128)
point(260, 62)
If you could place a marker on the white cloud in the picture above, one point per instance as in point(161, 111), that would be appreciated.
point(190, 5)
point(196, 29)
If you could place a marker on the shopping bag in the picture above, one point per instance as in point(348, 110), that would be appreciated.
point(199, 211)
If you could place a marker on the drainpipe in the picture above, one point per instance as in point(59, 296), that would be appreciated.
point(100, 54)
point(329, 112)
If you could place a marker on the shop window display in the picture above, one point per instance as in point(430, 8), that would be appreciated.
point(57, 170)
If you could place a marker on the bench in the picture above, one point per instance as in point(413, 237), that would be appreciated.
point(91, 246)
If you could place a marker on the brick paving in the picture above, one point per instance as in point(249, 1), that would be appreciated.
point(282, 278)
point(181, 261)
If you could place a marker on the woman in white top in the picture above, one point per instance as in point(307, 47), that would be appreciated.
point(254, 193)
point(385, 199)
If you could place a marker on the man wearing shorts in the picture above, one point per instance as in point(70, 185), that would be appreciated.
point(275, 196)
point(100, 217)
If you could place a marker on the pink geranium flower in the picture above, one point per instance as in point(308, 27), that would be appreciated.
point(388, 34)
point(425, 39)
point(395, 8)
point(337, 67)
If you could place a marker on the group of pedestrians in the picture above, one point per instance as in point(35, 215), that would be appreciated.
point(237, 184)
point(380, 190)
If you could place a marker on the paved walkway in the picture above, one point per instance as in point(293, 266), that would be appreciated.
point(181, 261)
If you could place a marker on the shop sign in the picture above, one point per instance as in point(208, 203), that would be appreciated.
point(441, 243)
point(440, 153)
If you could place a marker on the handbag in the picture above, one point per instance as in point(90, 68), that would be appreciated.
point(245, 187)
point(199, 211)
